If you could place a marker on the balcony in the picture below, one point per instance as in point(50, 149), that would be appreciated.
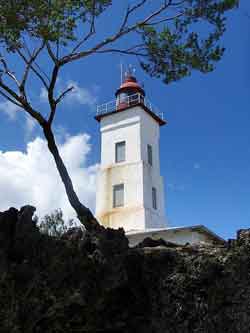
point(128, 102)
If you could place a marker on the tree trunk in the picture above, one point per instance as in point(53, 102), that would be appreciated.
point(83, 213)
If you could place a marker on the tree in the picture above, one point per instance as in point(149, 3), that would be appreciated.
point(170, 38)
point(54, 224)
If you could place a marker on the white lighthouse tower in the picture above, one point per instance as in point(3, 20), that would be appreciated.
point(130, 190)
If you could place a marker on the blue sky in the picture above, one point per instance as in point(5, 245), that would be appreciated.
point(205, 148)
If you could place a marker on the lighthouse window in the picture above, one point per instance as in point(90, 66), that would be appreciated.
point(123, 97)
point(150, 155)
point(118, 195)
point(120, 151)
point(154, 198)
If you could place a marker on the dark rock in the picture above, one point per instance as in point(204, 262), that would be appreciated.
point(112, 242)
point(8, 221)
point(96, 283)
point(27, 235)
point(88, 244)
point(243, 237)
point(74, 234)
point(25, 224)
point(149, 242)
point(232, 243)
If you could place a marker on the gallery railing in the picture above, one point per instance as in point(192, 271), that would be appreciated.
point(128, 101)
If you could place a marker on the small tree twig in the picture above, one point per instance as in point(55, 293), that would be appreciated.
point(28, 67)
point(8, 72)
point(166, 19)
point(51, 99)
point(25, 105)
point(91, 30)
point(63, 94)
point(129, 12)
point(36, 72)
point(51, 53)
point(10, 99)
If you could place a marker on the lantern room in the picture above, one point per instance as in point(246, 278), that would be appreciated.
point(129, 93)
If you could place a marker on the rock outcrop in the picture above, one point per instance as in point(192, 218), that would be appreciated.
point(95, 283)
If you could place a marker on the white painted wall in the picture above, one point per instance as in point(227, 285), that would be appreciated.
point(138, 129)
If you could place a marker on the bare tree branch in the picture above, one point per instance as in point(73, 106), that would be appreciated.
point(10, 99)
point(123, 52)
point(178, 3)
point(25, 105)
point(75, 56)
point(166, 19)
point(51, 53)
point(36, 72)
point(8, 72)
point(63, 94)
point(91, 30)
point(42, 70)
point(129, 12)
point(135, 50)
point(57, 48)
point(28, 67)
point(51, 99)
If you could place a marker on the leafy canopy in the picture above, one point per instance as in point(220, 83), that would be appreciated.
point(178, 48)
point(172, 42)
point(48, 20)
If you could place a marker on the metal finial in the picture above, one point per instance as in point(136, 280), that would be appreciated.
point(121, 66)
point(130, 71)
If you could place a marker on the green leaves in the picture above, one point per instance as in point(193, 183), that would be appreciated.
point(54, 224)
point(51, 20)
point(189, 42)
point(185, 36)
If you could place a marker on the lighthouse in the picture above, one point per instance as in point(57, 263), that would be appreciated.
point(130, 191)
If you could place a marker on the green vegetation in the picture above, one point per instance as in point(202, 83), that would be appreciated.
point(54, 224)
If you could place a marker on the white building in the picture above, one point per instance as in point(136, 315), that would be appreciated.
point(130, 191)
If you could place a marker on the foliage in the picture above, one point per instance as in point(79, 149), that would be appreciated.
point(172, 46)
point(54, 224)
point(49, 20)
point(176, 50)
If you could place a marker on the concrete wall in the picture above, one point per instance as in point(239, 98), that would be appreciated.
point(175, 236)
point(120, 126)
point(137, 129)
point(132, 214)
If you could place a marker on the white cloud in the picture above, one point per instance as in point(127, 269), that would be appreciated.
point(80, 95)
point(10, 109)
point(31, 177)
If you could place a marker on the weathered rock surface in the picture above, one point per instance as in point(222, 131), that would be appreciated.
point(95, 283)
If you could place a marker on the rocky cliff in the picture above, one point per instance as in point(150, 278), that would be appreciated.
point(95, 283)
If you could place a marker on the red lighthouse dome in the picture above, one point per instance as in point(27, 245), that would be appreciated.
point(130, 91)
point(128, 95)
point(130, 86)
